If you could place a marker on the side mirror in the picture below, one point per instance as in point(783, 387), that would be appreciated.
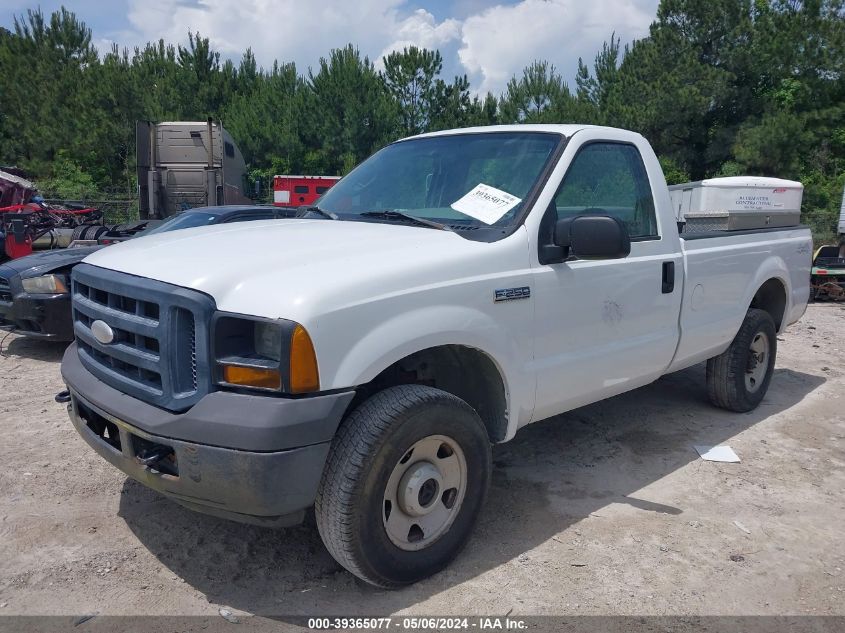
point(592, 237)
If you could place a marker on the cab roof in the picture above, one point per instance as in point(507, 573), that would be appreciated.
point(566, 129)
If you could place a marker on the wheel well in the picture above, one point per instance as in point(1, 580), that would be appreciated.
point(462, 371)
point(771, 297)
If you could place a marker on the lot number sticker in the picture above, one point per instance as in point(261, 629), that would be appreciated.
point(486, 203)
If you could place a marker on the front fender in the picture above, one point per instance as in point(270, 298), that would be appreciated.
point(399, 336)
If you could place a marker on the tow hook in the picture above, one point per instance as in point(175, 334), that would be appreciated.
point(62, 397)
point(152, 455)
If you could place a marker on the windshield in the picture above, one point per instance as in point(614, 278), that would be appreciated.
point(469, 179)
point(183, 221)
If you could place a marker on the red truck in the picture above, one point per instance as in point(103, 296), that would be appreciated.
point(300, 191)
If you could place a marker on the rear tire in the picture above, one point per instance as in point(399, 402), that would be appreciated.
point(738, 378)
point(92, 231)
point(77, 232)
point(406, 477)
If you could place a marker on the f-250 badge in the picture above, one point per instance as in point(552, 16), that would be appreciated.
point(510, 294)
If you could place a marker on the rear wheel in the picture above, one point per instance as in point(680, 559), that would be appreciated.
point(738, 378)
point(406, 476)
point(93, 231)
point(77, 232)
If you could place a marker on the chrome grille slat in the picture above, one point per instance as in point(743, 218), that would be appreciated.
point(125, 321)
point(121, 351)
point(159, 332)
point(118, 380)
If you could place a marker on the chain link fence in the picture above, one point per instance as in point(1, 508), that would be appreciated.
point(116, 209)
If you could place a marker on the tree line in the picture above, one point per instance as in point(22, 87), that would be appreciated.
point(719, 87)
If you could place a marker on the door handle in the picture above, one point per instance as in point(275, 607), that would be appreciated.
point(668, 277)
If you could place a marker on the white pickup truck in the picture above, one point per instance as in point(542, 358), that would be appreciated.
point(362, 358)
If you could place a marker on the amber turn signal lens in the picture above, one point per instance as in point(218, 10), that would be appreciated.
point(253, 377)
point(304, 377)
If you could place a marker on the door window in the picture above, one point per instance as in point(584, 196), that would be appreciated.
point(610, 179)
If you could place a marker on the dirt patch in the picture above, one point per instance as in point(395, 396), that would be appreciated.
point(605, 510)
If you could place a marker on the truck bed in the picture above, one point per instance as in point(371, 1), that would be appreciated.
point(722, 272)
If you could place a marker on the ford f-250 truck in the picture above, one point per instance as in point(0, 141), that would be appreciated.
point(362, 358)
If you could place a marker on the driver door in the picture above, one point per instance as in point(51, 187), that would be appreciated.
point(605, 326)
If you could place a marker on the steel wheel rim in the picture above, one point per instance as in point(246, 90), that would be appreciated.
point(424, 492)
point(758, 362)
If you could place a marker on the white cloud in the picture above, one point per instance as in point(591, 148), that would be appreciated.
point(489, 44)
point(287, 30)
point(500, 41)
point(422, 30)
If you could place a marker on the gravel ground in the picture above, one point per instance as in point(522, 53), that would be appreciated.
point(604, 510)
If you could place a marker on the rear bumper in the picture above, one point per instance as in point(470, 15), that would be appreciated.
point(38, 316)
point(244, 458)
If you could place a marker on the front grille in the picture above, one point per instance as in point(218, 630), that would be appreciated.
point(160, 331)
point(5, 290)
point(193, 354)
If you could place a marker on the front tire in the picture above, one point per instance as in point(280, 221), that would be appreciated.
point(406, 476)
point(738, 378)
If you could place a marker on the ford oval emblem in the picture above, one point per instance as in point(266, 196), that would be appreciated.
point(102, 332)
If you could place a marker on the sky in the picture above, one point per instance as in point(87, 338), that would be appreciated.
point(486, 40)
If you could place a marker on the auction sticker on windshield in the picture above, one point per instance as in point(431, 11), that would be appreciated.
point(486, 203)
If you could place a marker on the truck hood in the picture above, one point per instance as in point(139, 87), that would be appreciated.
point(45, 262)
point(295, 268)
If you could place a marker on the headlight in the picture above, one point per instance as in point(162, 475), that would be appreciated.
point(271, 355)
point(268, 340)
point(46, 284)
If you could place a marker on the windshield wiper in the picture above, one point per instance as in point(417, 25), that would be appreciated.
point(302, 211)
point(393, 214)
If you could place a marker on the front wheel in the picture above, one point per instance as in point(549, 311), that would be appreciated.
point(405, 480)
point(738, 378)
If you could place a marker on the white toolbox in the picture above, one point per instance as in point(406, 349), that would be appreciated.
point(737, 203)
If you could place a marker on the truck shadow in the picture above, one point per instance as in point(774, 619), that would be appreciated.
point(553, 475)
point(35, 349)
point(829, 304)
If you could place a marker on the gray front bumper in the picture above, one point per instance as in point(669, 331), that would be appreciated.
point(273, 486)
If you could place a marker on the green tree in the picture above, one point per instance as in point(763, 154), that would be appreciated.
point(411, 79)
point(719, 87)
point(43, 99)
point(347, 112)
point(263, 117)
point(539, 96)
point(594, 89)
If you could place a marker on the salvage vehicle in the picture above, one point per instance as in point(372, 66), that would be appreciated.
point(187, 164)
point(300, 191)
point(451, 289)
point(827, 280)
point(827, 276)
point(29, 223)
point(34, 290)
